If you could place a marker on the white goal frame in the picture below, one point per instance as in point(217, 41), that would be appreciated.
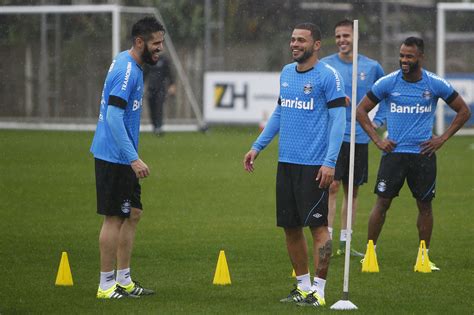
point(441, 37)
point(115, 11)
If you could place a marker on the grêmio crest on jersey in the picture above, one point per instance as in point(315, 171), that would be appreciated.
point(308, 88)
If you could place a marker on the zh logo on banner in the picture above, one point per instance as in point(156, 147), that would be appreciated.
point(225, 95)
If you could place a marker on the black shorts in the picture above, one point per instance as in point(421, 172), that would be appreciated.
point(117, 189)
point(299, 200)
point(361, 163)
point(418, 169)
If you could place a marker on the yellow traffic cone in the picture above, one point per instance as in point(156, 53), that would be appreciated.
point(293, 274)
point(222, 275)
point(370, 263)
point(422, 260)
point(64, 276)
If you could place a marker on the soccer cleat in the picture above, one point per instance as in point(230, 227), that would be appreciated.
point(313, 299)
point(354, 253)
point(434, 267)
point(115, 292)
point(135, 289)
point(296, 295)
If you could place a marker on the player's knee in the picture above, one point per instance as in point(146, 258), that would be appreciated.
point(424, 208)
point(320, 234)
point(334, 187)
point(112, 222)
point(135, 215)
point(383, 204)
point(294, 234)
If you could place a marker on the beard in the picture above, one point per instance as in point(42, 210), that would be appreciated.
point(412, 67)
point(305, 56)
point(147, 57)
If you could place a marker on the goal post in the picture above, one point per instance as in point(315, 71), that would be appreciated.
point(463, 82)
point(51, 86)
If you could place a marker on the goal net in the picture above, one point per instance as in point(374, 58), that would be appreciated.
point(53, 62)
point(455, 60)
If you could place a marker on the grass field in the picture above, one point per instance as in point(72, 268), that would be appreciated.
point(198, 201)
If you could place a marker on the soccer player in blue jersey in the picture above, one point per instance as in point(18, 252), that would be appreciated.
point(118, 166)
point(411, 94)
point(310, 120)
point(368, 72)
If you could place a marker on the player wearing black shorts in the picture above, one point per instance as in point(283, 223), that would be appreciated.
point(419, 171)
point(411, 95)
point(117, 164)
point(368, 71)
point(311, 94)
point(118, 189)
point(299, 199)
point(361, 163)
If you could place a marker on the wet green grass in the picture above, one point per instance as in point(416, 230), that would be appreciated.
point(198, 201)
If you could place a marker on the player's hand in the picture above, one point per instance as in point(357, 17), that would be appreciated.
point(140, 168)
point(386, 145)
point(430, 146)
point(325, 176)
point(249, 158)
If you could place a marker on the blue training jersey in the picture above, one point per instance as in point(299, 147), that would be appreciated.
point(302, 116)
point(369, 71)
point(410, 107)
point(124, 86)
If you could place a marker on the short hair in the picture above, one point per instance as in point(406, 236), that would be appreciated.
point(345, 22)
point(313, 28)
point(415, 41)
point(145, 27)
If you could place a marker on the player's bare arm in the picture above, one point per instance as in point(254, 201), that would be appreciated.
point(325, 176)
point(463, 114)
point(363, 109)
point(249, 159)
point(140, 168)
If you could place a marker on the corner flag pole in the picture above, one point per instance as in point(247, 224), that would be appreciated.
point(344, 303)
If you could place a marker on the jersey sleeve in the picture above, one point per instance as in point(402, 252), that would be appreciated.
point(379, 71)
point(119, 133)
point(443, 89)
point(379, 90)
point(123, 83)
point(269, 132)
point(333, 86)
point(337, 121)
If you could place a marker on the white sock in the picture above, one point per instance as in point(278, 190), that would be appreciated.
point(107, 280)
point(304, 282)
point(330, 232)
point(318, 286)
point(123, 277)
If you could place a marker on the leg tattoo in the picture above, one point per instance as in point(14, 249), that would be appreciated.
point(324, 256)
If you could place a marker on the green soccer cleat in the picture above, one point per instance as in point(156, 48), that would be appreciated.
point(354, 253)
point(434, 267)
point(296, 295)
point(115, 292)
point(313, 299)
point(342, 250)
point(135, 289)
